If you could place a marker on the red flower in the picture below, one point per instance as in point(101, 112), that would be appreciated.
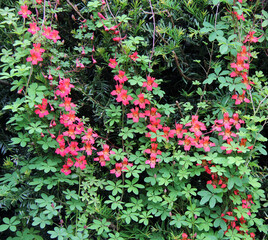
point(135, 115)
point(81, 162)
point(123, 97)
point(112, 63)
point(24, 11)
point(121, 78)
point(134, 56)
point(33, 28)
point(250, 38)
point(141, 101)
point(41, 108)
point(117, 170)
point(240, 98)
point(65, 169)
point(150, 83)
point(35, 57)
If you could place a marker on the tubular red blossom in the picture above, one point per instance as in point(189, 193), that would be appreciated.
point(118, 39)
point(101, 16)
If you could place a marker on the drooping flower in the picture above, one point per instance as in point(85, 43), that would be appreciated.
point(24, 11)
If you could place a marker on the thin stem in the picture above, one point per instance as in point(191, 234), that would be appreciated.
point(153, 32)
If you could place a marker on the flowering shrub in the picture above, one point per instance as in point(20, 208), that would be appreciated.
point(118, 138)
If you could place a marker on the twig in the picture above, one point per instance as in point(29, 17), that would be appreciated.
point(75, 9)
point(153, 32)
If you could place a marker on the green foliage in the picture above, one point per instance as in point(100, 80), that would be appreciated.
point(183, 147)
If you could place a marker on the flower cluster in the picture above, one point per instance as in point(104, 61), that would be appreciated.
point(237, 222)
point(36, 54)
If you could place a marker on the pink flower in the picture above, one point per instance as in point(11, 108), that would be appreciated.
point(67, 104)
point(112, 63)
point(54, 36)
point(117, 170)
point(65, 169)
point(41, 108)
point(153, 151)
point(187, 142)
point(179, 131)
point(46, 32)
point(121, 78)
point(206, 144)
point(117, 91)
point(134, 56)
point(24, 11)
point(123, 97)
point(152, 161)
point(141, 101)
point(240, 98)
point(81, 162)
point(150, 83)
point(34, 58)
point(33, 28)
point(135, 115)
point(250, 38)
